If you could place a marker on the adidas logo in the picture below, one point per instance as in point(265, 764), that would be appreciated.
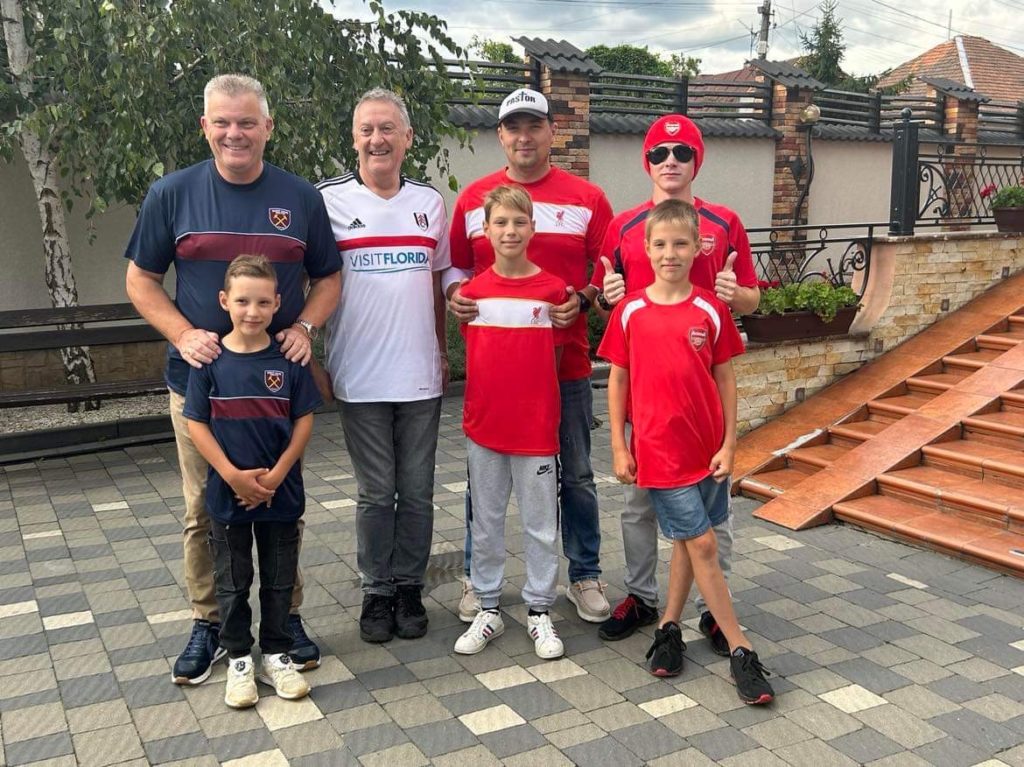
point(356, 224)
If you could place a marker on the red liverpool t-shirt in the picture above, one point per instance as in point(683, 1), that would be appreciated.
point(676, 411)
point(572, 216)
point(512, 403)
point(721, 232)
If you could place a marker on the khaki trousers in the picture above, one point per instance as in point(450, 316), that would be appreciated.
point(196, 532)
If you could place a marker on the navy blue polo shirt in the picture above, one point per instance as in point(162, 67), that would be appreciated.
point(251, 402)
point(199, 222)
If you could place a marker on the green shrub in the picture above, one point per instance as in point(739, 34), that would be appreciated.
point(822, 298)
point(1008, 197)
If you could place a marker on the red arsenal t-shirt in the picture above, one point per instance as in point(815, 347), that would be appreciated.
point(721, 232)
point(572, 216)
point(676, 410)
point(512, 403)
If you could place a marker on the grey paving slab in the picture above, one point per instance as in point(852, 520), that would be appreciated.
point(650, 740)
point(603, 752)
point(441, 737)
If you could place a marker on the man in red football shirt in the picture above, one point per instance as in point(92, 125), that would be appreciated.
point(673, 153)
point(571, 216)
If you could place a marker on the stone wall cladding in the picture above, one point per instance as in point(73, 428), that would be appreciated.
point(929, 269)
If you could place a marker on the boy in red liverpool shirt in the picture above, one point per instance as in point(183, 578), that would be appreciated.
point(511, 414)
point(671, 348)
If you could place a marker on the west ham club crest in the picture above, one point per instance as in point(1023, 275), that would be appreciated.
point(274, 379)
point(421, 221)
point(280, 218)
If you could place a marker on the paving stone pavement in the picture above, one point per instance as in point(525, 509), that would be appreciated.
point(883, 654)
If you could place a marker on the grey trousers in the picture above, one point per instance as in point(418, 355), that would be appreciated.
point(392, 446)
point(640, 545)
point(493, 476)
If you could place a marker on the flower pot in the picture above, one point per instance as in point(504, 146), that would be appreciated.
point(1009, 219)
point(763, 328)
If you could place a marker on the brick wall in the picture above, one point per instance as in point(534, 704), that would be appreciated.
point(568, 96)
point(912, 277)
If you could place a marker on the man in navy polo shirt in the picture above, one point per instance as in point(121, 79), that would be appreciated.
point(199, 219)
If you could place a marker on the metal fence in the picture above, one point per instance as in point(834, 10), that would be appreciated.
point(785, 255)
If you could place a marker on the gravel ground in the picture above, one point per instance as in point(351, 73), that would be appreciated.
point(57, 416)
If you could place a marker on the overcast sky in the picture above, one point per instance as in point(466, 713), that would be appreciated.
point(879, 34)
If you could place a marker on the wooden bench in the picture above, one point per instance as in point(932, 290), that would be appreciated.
point(44, 329)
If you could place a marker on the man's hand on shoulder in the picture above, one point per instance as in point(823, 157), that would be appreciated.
point(296, 345)
point(463, 309)
point(198, 347)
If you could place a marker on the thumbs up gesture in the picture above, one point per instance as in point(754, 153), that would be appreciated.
point(614, 284)
point(725, 280)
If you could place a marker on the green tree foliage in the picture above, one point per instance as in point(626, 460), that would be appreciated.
point(494, 51)
point(684, 66)
point(115, 87)
point(636, 60)
point(824, 47)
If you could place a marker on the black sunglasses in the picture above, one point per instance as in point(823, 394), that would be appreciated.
point(659, 154)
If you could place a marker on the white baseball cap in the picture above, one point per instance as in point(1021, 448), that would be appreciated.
point(524, 101)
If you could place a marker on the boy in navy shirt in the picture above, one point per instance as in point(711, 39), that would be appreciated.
point(250, 415)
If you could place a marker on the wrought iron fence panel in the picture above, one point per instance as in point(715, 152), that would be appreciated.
point(956, 181)
point(785, 255)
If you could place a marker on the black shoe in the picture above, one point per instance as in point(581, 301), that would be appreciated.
point(629, 615)
point(196, 661)
point(305, 654)
point(410, 615)
point(709, 628)
point(666, 654)
point(377, 620)
point(748, 673)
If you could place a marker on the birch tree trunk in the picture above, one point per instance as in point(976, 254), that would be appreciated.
point(39, 155)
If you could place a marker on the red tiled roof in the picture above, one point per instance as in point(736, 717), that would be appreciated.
point(994, 71)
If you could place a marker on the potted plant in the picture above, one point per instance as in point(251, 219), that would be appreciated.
point(801, 310)
point(1007, 206)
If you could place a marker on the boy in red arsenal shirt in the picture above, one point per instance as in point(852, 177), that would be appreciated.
point(673, 155)
point(511, 414)
point(671, 348)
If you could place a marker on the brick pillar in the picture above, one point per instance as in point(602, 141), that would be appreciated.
point(568, 95)
point(960, 124)
point(791, 144)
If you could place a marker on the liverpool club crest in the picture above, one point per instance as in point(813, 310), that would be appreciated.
point(274, 379)
point(280, 218)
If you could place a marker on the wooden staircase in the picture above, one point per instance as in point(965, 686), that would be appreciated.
point(936, 458)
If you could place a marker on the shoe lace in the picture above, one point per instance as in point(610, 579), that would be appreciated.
point(379, 607)
point(198, 640)
point(480, 622)
point(623, 608)
point(664, 637)
point(543, 628)
point(408, 603)
point(750, 664)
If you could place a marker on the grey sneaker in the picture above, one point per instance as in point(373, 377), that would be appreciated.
point(591, 603)
point(469, 605)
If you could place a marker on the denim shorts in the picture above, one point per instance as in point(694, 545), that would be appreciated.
point(690, 511)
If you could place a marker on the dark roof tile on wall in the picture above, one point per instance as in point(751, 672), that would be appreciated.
point(786, 74)
point(559, 55)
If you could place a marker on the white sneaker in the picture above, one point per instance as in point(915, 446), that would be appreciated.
point(546, 643)
point(240, 691)
point(486, 626)
point(277, 671)
point(591, 603)
point(469, 605)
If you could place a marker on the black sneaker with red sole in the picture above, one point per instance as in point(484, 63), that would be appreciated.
point(666, 653)
point(749, 675)
point(629, 615)
point(709, 627)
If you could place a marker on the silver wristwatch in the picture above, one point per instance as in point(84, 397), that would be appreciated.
point(309, 327)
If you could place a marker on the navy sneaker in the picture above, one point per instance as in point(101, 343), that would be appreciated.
point(629, 615)
point(196, 661)
point(709, 627)
point(666, 654)
point(305, 654)
point(749, 675)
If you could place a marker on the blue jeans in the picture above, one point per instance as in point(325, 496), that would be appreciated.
point(581, 532)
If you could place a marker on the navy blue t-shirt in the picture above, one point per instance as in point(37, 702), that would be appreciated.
point(250, 402)
point(199, 222)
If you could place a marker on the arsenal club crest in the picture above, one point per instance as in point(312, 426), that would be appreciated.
point(707, 244)
point(280, 218)
point(698, 337)
point(672, 128)
point(274, 379)
point(421, 220)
